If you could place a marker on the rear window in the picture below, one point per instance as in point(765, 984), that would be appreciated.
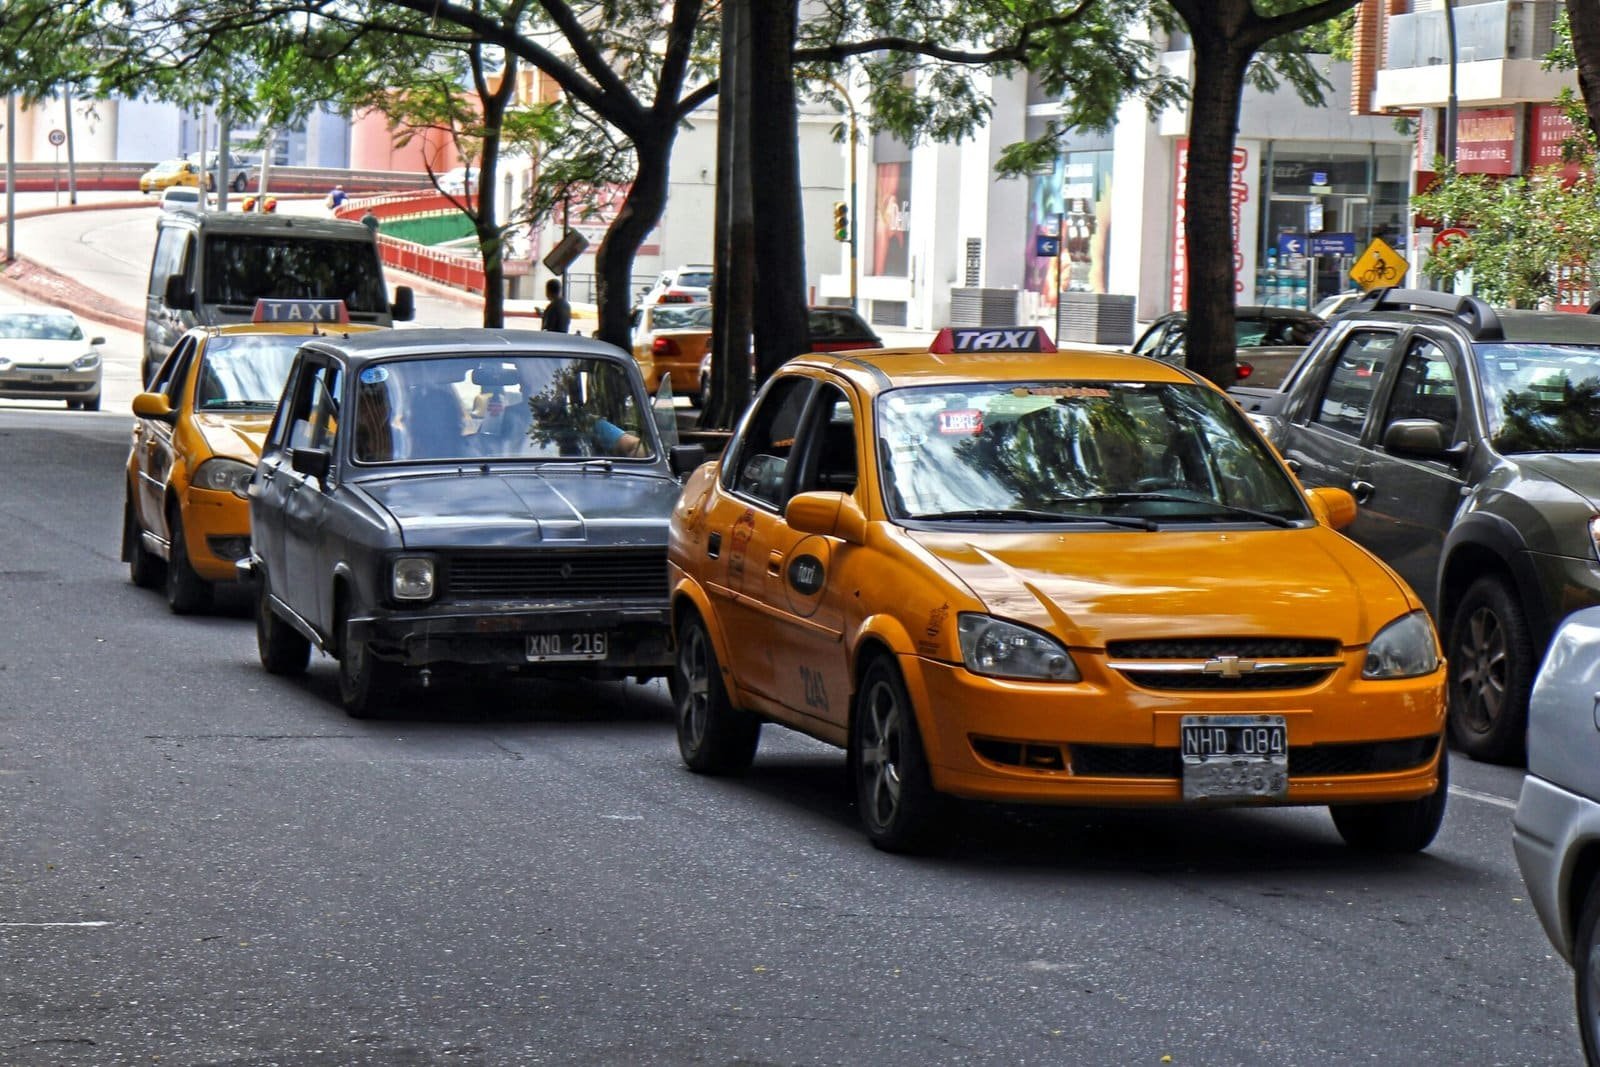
point(842, 323)
point(243, 268)
point(695, 279)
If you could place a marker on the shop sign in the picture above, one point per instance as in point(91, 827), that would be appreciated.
point(1486, 140)
point(1549, 131)
point(1240, 187)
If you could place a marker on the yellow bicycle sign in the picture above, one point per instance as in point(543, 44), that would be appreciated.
point(1378, 266)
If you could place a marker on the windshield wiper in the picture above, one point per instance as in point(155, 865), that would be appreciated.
point(238, 405)
point(1214, 506)
point(1132, 522)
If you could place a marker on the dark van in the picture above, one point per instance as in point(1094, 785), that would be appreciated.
point(210, 268)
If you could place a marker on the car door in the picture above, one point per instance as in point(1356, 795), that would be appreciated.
point(810, 667)
point(153, 439)
point(269, 486)
point(1411, 500)
point(1324, 436)
point(746, 528)
point(308, 500)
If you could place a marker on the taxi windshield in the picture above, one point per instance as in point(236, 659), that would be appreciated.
point(507, 408)
point(244, 372)
point(1541, 397)
point(1074, 450)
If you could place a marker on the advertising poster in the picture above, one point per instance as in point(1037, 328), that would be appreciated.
point(1076, 194)
point(891, 254)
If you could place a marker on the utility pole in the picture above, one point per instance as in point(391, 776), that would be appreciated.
point(11, 177)
point(72, 155)
point(855, 203)
point(1450, 96)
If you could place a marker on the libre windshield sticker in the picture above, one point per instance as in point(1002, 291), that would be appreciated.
point(966, 422)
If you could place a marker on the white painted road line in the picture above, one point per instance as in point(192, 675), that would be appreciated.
point(1487, 798)
point(97, 923)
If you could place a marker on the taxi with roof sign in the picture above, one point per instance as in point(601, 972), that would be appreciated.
point(197, 436)
point(998, 571)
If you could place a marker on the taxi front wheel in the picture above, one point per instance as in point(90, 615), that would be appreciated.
point(714, 737)
point(144, 569)
point(187, 592)
point(899, 807)
point(1407, 826)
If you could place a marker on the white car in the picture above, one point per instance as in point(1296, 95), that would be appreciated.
point(688, 284)
point(458, 182)
point(44, 355)
point(182, 198)
point(1556, 829)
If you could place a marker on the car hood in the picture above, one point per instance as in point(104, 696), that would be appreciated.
point(36, 353)
point(238, 435)
point(508, 509)
point(1091, 588)
point(1578, 472)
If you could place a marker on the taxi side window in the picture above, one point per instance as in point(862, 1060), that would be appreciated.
point(761, 471)
point(169, 376)
point(1347, 393)
point(828, 460)
point(1425, 388)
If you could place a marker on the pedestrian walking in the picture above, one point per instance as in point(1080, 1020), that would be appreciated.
point(370, 221)
point(557, 313)
point(336, 198)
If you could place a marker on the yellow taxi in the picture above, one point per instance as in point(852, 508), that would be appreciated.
point(197, 436)
point(673, 339)
point(168, 173)
point(995, 570)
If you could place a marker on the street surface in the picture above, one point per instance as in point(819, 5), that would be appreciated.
point(201, 863)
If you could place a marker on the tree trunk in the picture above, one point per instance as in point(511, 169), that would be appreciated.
point(732, 281)
point(1584, 17)
point(773, 119)
point(613, 262)
point(1219, 66)
point(482, 194)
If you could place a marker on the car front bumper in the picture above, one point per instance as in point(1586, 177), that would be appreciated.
point(1104, 741)
point(216, 528)
point(23, 382)
point(1549, 825)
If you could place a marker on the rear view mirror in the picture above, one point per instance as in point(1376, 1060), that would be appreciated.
point(827, 514)
point(1418, 437)
point(311, 462)
point(404, 308)
point(97, 340)
point(176, 295)
point(152, 406)
point(1332, 506)
point(683, 459)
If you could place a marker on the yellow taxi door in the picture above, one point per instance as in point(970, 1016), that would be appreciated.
point(153, 439)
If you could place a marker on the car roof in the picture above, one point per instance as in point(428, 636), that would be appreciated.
point(253, 222)
point(300, 329)
point(880, 369)
point(465, 341)
point(1473, 316)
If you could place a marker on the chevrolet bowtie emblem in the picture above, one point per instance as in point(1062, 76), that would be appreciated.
point(1229, 666)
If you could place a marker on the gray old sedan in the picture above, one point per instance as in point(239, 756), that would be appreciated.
point(490, 498)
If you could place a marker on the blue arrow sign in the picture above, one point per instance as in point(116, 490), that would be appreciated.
point(1291, 244)
point(1333, 244)
point(1047, 246)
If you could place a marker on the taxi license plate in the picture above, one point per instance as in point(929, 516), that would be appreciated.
point(567, 646)
point(1235, 756)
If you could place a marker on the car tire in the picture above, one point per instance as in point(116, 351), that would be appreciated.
point(1491, 670)
point(714, 737)
point(92, 404)
point(367, 684)
point(900, 810)
point(144, 569)
point(239, 183)
point(1405, 826)
point(187, 592)
point(282, 648)
point(1586, 968)
point(702, 399)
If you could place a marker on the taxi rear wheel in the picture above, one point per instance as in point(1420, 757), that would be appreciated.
point(899, 807)
point(367, 684)
point(714, 737)
point(1586, 965)
point(144, 569)
point(282, 648)
point(1407, 826)
point(187, 592)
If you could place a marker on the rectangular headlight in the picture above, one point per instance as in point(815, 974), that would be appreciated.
point(412, 578)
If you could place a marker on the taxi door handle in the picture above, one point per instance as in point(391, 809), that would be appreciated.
point(775, 564)
point(1362, 491)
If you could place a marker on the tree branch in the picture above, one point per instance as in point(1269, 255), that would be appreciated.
point(1011, 53)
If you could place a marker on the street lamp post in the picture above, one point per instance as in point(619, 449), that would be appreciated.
point(1450, 94)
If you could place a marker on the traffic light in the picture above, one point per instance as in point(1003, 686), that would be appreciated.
point(841, 221)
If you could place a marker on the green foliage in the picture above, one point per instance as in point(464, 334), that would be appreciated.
point(1522, 231)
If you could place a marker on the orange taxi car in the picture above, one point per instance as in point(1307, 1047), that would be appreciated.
point(1050, 577)
point(197, 436)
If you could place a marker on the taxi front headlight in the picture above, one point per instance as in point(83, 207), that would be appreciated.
point(1000, 649)
point(1403, 649)
point(1594, 523)
point(222, 475)
point(87, 361)
point(412, 578)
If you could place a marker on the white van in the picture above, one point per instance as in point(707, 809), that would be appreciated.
point(210, 269)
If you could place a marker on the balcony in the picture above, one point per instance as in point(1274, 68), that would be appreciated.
point(1500, 50)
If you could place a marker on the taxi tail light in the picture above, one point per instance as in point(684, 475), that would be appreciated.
point(675, 298)
point(664, 346)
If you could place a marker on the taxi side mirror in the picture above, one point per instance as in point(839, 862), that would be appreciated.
point(1332, 506)
point(152, 406)
point(827, 514)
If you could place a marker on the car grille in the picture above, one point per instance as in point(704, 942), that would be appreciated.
point(1305, 761)
point(627, 573)
point(1202, 663)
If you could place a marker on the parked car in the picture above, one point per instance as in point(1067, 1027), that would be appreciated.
point(44, 355)
point(688, 284)
point(1031, 576)
point(197, 435)
point(493, 498)
point(1556, 829)
point(1269, 340)
point(182, 198)
point(833, 329)
point(1470, 437)
point(672, 339)
point(241, 167)
point(168, 173)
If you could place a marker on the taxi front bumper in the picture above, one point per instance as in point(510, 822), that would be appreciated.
point(1104, 741)
point(216, 531)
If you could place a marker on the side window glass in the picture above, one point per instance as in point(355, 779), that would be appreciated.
point(307, 407)
point(1354, 377)
point(1150, 341)
point(829, 460)
point(1425, 388)
point(187, 269)
point(763, 461)
point(169, 369)
point(183, 359)
point(1171, 348)
point(325, 407)
point(165, 259)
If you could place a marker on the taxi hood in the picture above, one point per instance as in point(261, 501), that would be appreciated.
point(1093, 587)
point(562, 503)
point(236, 435)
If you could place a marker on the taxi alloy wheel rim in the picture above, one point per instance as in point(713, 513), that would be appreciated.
point(881, 745)
point(694, 706)
point(1484, 664)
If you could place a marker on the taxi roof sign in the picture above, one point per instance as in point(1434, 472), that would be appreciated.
point(992, 339)
point(324, 311)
